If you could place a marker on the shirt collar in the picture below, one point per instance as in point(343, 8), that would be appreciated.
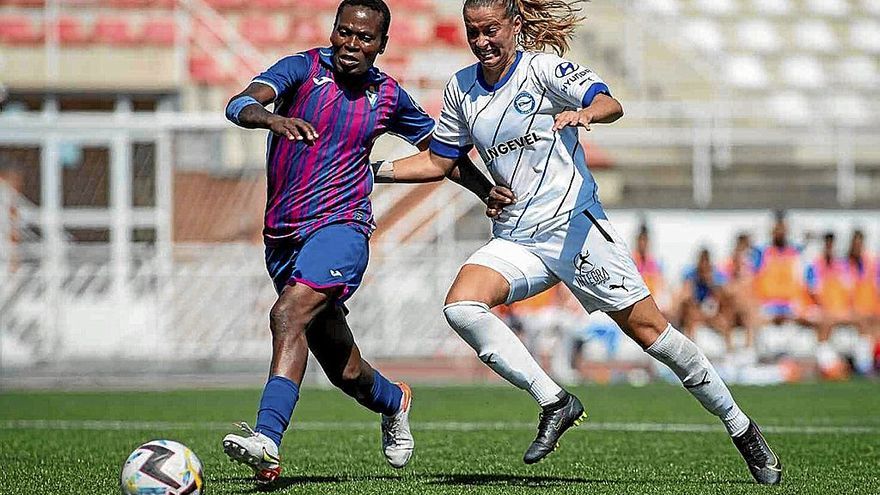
point(326, 57)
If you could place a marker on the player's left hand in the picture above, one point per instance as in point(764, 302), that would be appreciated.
point(499, 197)
point(580, 118)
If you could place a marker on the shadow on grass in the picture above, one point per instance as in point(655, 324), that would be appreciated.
point(287, 481)
point(508, 480)
point(462, 480)
point(536, 481)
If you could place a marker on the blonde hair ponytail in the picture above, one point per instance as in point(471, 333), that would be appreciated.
point(548, 23)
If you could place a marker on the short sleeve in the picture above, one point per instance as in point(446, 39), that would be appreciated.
point(569, 83)
point(410, 121)
point(287, 74)
point(452, 138)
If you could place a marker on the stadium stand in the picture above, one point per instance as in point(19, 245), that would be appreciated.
point(20, 30)
point(72, 30)
point(159, 31)
point(113, 31)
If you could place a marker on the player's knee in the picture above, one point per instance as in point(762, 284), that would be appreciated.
point(463, 314)
point(646, 326)
point(287, 320)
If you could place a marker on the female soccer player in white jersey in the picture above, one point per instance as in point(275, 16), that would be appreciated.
point(521, 108)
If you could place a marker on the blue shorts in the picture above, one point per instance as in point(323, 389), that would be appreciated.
point(332, 257)
point(779, 310)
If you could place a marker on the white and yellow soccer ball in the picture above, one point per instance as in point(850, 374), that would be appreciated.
point(162, 467)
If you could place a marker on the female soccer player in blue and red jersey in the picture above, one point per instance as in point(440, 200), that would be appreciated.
point(330, 106)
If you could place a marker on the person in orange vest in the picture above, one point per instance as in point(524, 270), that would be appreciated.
point(779, 277)
point(650, 269)
point(829, 289)
point(865, 274)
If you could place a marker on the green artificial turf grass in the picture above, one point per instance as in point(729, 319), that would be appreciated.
point(471, 441)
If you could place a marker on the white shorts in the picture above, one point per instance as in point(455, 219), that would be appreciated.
point(587, 255)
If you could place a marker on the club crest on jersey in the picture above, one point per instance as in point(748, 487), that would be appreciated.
point(587, 274)
point(372, 96)
point(506, 147)
point(565, 68)
point(524, 103)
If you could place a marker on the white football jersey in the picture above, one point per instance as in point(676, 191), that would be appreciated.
point(510, 123)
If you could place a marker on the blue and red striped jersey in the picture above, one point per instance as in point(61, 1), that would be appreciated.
point(331, 180)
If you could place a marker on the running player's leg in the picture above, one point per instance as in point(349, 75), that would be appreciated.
point(644, 323)
point(594, 261)
point(504, 272)
point(308, 277)
point(332, 343)
point(296, 307)
point(489, 278)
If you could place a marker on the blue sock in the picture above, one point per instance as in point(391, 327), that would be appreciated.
point(276, 407)
point(386, 396)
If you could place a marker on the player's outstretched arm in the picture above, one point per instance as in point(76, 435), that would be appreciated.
point(603, 110)
point(429, 167)
point(467, 175)
point(247, 109)
point(424, 166)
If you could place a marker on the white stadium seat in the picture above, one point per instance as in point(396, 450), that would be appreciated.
point(871, 6)
point(745, 71)
point(717, 7)
point(666, 7)
point(859, 72)
point(790, 107)
point(865, 35)
point(803, 72)
point(815, 35)
point(832, 8)
point(847, 109)
point(704, 34)
point(759, 36)
point(772, 7)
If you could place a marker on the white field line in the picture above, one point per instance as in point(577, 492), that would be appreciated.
point(38, 424)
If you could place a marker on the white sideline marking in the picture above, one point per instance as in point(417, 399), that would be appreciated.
point(39, 424)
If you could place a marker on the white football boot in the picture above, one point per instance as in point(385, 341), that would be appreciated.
point(397, 440)
point(255, 450)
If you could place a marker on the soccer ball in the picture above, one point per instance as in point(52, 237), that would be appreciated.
point(162, 467)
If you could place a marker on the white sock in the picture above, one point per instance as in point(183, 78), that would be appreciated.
point(500, 349)
point(699, 377)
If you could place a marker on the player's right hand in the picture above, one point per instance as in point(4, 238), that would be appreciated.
point(293, 129)
point(499, 197)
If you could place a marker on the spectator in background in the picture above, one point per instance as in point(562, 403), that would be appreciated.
point(701, 298)
point(779, 276)
point(743, 259)
point(650, 268)
point(739, 270)
point(829, 291)
point(865, 275)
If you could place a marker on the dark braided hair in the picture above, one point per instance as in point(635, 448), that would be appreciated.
point(377, 5)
